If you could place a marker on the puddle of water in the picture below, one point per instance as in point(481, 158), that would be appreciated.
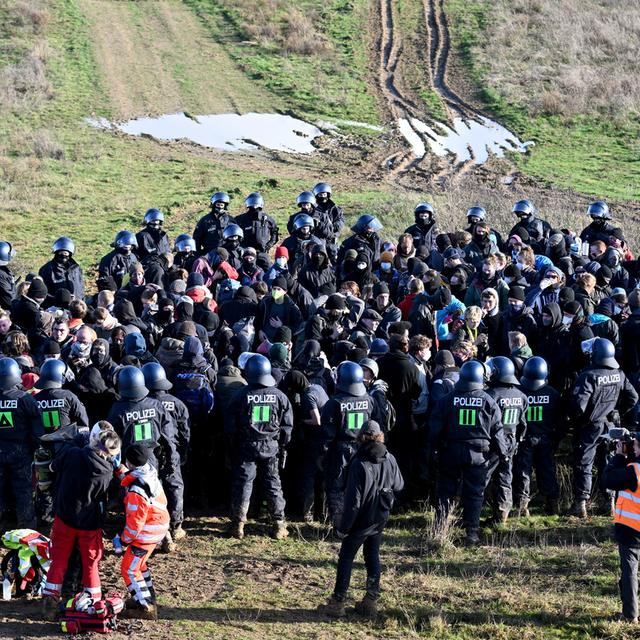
point(226, 131)
point(410, 135)
point(349, 123)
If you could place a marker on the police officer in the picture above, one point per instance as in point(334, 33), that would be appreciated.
point(258, 426)
point(152, 240)
point(325, 204)
point(20, 426)
point(260, 230)
point(365, 238)
point(232, 240)
point(422, 230)
point(184, 252)
point(118, 263)
point(538, 230)
point(477, 214)
point(466, 428)
point(342, 418)
point(513, 404)
point(543, 434)
point(600, 227)
point(301, 236)
point(7, 279)
point(600, 388)
point(155, 379)
point(323, 226)
point(63, 272)
point(208, 231)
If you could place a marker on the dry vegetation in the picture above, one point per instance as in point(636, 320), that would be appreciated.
point(564, 56)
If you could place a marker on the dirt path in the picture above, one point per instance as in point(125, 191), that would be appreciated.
point(156, 57)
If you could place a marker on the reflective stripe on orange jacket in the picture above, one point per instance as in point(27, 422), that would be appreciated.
point(147, 518)
point(627, 509)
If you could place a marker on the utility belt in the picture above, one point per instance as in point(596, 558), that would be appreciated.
point(42, 459)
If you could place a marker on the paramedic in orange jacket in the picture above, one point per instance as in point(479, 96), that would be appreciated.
point(147, 522)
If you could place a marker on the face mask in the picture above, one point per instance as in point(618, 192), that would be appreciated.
point(281, 262)
point(61, 259)
point(361, 265)
point(547, 322)
point(514, 255)
point(427, 356)
point(277, 294)
point(516, 307)
point(232, 243)
point(318, 260)
point(125, 251)
point(165, 315)
point(97, 358)
point(567, 319)
point(80, 350)
point(249, 264)
point(154, 226)
point(386, 266)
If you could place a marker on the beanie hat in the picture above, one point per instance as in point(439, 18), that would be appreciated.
point(186, 329)
point(512, 271)
point(278, 353)
point(371, 428)
point(62, 298)
point(249, 251)
point(517, 293)
point(280, 282)
point(37, 289)
point(335, 302)
point(378, 347)
point(634, 299)
point(567, 294)
point(283, 334)
point(380, 288)
point(136, 455)
point(350, 254)
point(195, 279)
point(445, 358)
point(282, 252)
point(419, 269)
point(572, 307)
point(178, 286)
point(386, 256)
point(50, 348)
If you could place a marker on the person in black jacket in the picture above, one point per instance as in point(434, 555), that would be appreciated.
point(63, 272)
point(7, 279)
point(373, 480)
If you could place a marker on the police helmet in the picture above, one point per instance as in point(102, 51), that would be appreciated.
point(534, 373)
point(370, 364)
point(322, 187)
point(257, 370)
point(599, 209)
point(477, 212)
point(303, 220)
point(232, 231)
point(366, 221)
point(350, 379)
point(523, 208)
point(220, 196)
point(153, 215)
point(424, 207)
point(131, 383)
point(306, 197)
point(64, 244)
point(155, 377)
point(503, 370)
point(603, 353)
point(10, 374)
point(378, 347)
point(51, 374)
point(6, 253)
point(184, 242)
point(254, 201)
point(125, 238)
point(471, 376)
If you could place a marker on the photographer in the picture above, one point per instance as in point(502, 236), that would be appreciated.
point(622, 474)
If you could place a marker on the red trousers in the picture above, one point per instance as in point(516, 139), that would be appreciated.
point(63, 540)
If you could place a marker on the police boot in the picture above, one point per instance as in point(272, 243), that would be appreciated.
point(168, 545)
point(578, 509)
point(279, 531)
point(50, 608)
point(334, 608)
point(552, 507)
point(178, 533)
point(523, 509)
point(236, 529)
point(367, 607)
point(472, 538)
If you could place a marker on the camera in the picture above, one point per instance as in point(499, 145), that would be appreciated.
point(620, 434)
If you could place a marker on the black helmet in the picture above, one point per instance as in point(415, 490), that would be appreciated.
point(534, 373)
point(350, 379)
point(366, 221)
point(477, 212)
point(303, 220)
point(370, 364)
point(220, 196)
point(231, 231)
point(257, 370)
point(155, 377)
point(306, 197)
point(599, 210)
point(131, 384)
point(603, 353)
point(51, 374)
point(254, 201)
point(153, 215)
point(184, 242)
point(10, 374)
point(125, 238)
point(523, 208)
point(322, 187)
point(64, 244)
point(5, 253)
point(471, 376)
point(424, 207)
point(503, 370)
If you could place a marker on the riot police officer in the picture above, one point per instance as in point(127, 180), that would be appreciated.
point(539, 444)
point(466, 428)
point(184, 252)
point(258, 426)
point(260, 230)
point(513, 404)
point(322, 225)
point(539, 230)
point(232, 240)
point(422, 230)
point(365, 238)
point(63, 272)
point(152, 240)
point(325, 204)
point(7, 279)
point(208, 231)
point(600, 388)
point(477, 214)
point(118, 263)
point(600, 227)
point(20, 426)
point(343, 416)
point(301, 236)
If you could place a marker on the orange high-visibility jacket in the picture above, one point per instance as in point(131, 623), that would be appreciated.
point(627, 509)
point(147, 518)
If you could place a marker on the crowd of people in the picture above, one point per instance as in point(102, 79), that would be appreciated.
point(344, 373)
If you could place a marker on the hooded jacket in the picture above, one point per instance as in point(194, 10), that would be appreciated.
point(318, 280)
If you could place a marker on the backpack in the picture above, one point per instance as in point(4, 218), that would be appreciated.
point(383, 412)
point(194, 390)
point(27, 563)
point(83, 614)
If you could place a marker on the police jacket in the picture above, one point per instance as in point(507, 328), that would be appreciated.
point(343, 416)
point(208, 231)
point(260, 230)
point(543, 413)
point(598, 391)
point(59, 408)
point(595, 231)
point(469, 418)
point(373, 480)
point(19, 418)
point(513, 404)
point(619, 476)
point(401, 374)
point(323, 225)
point(7, 287)
point(152, 242)
point(362, 244)
point(335, 214)
point(295, 246)
point(63, 276)
point(179, 415)
point(538, 230)
point(422, 234)
point(116, 265)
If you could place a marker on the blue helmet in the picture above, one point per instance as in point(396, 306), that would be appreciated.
point(477, 212)
point(503, 370)
point(366, 222)
point(231, 231)
point(471, 376)
point(6, 253)
point(424, 207)
point(131, 383)
point(153, 215)
point(254, 201)
point(534, 373)
point(125, 239)
point(306, 197)
point(322, 187)
point(257, 370)
point(52, 373)
point(64, 244)
point(351, 379)
point(303, 220)
point(523, 208)
point(184, 242)
point(10, 374)
point(371, 364)
point(603, 353)
point(599, 210)
point(378, 347)
point(220, 196)
point(155, 377)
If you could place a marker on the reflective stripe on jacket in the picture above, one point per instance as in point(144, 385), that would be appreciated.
point(627, 509)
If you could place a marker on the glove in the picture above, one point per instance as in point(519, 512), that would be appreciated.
point(117, 545)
